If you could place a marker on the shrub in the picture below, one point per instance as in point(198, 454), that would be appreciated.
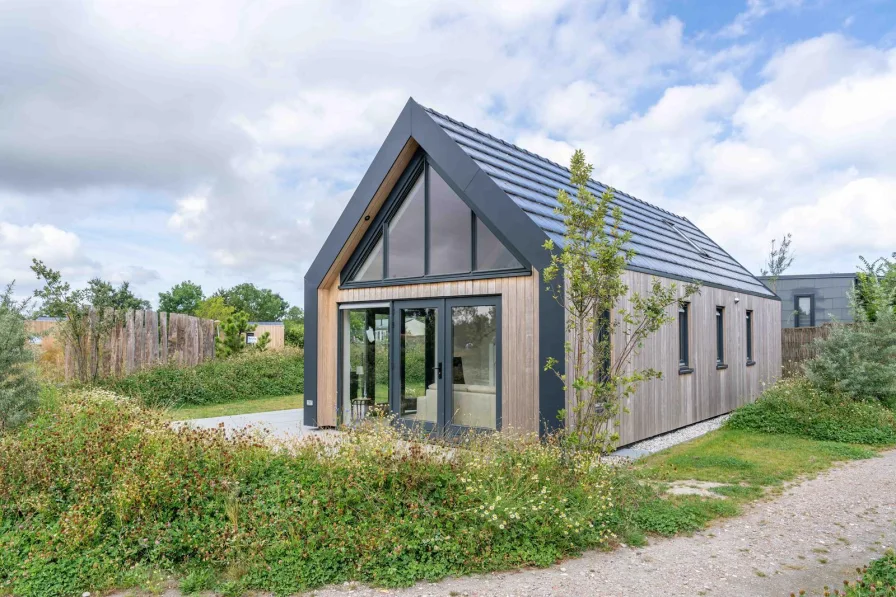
point(98, 486)
point(858, 361)
point(253, 374)
point(796, 407)
point(877, 579)
point(18, 383)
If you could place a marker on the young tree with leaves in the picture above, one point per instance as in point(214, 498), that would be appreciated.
point(779, 259)
point(87, 316)
point(875, 288)
point(586, 277)
point(182, 298)
point(18, 383)
point(215, 308)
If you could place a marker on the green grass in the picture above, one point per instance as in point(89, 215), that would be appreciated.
point(241, 407)
point(750, 458)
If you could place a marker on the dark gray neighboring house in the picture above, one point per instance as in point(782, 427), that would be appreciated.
point(813, 299)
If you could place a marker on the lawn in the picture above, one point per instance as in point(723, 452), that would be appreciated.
point(240, 407)
point(748, 458)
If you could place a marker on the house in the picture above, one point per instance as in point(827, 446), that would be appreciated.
point(442, 244)
point(808, 300)
point(274, 328)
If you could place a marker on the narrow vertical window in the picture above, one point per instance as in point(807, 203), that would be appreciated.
point(804, 312)
point(683, 348)
point(750, 360)
point(720, 338)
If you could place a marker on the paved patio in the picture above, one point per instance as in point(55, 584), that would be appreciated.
point(282, 424)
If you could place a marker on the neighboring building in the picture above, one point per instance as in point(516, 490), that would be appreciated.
point(274, 328)
point(442, 245)
point(809, 300)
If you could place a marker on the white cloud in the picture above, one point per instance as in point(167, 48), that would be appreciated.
point(220, 140)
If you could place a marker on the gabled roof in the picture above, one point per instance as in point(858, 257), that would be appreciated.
point(665, 244)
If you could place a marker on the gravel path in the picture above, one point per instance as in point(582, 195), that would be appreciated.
point(667, 440)
point(815, 534)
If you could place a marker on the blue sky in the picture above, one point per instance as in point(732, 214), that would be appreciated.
point(218, 141)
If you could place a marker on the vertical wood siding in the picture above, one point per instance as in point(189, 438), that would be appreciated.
point(519, 339)
point(678, 400)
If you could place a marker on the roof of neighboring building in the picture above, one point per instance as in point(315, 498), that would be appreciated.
point(665, 244)
point(809, 276)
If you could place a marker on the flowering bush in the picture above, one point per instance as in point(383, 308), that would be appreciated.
point(96, 487)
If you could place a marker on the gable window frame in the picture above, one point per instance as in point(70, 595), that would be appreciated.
point(797, 322)
point(417, 169)
point(720, 338)
point(684, 348)
point(750, 320)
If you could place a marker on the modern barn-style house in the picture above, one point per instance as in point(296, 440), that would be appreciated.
point(426, 300)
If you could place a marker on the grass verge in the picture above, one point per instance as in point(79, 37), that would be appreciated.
point(746, 458)
point(239, 407)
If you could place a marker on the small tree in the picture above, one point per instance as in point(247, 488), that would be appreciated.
point(779, 259)
point(215, 308)
point(18, 383)
point(83, 330)
point(875, 288)
point(232, 337)
point(586, 277)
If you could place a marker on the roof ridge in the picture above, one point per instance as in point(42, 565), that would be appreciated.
point(544, 159)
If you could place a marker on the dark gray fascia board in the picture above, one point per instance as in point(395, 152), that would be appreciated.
point(808, 276)
point(360, 200)
point(645, 270)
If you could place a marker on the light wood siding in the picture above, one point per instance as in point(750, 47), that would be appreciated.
point(519, 339)
point(678, 400)
point(277, 332)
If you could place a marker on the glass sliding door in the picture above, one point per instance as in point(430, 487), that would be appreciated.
point(418, 363)
point(472, 395)
point(365, 362)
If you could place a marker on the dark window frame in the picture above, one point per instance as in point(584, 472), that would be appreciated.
point(750, 322)
point(379, 228)
point(796, 309)
point(684, 348)
point(720, 338)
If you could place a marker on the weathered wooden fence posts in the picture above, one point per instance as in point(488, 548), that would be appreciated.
point(798, 346)
point(119, 343)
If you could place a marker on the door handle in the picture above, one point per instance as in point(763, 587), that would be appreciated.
point(438, 370)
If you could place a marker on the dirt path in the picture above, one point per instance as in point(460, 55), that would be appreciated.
point(815, 534)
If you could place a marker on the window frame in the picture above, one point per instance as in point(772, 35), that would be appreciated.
point(720, 338)
point(796, 308)
point(418, 167)
point(684, 332)
point(750, 320)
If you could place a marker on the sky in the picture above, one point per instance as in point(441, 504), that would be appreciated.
point(218, 140)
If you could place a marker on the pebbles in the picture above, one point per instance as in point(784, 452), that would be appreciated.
point(667, 440)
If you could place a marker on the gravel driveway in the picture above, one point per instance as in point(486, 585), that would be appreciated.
point(815, 534)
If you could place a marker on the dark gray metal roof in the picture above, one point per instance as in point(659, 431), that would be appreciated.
point(532, 181)
point(809, 276)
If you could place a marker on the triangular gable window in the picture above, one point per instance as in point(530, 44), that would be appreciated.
point(427, 230)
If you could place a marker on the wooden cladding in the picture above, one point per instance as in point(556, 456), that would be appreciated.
point(519, 337)
point(142, 339)
point(676, 400)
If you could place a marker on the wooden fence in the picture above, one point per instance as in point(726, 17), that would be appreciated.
point(144, 339)
point(798, 346)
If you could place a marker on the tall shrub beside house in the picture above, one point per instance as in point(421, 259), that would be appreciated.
point(586, 276)
point(18, 384)
point(858, 361)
